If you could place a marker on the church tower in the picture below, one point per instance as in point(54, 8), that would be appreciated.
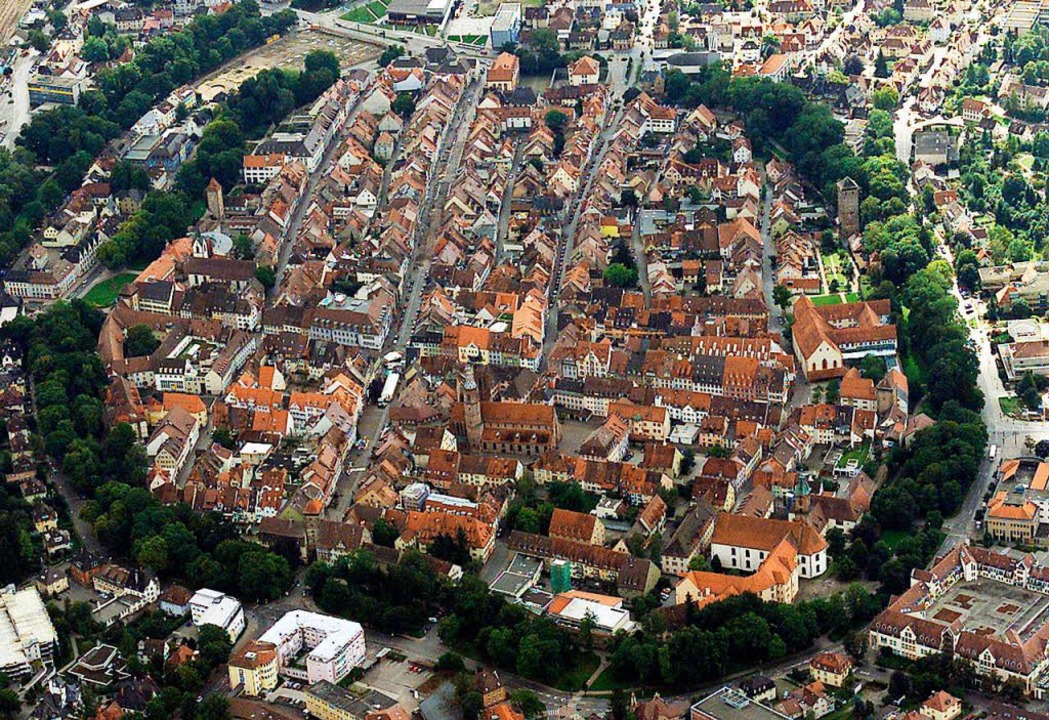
point(470, 396)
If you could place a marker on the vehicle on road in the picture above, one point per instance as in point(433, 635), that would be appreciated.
point(388, 389)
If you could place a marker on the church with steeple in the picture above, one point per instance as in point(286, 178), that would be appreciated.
point(501, 428)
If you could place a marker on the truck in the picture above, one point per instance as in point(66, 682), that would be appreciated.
point(388, 389)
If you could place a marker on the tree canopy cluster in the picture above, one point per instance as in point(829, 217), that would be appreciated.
point(939, 339)
point(777, 116)
point(110, 466)
point(163, 217)
point(396, 600)
point(992, 182)
point(934, 472)
point(70, 383)
point(542, 55)
point(733, 634)
point(69, 138)
point(259, 103)
point(177, 541)
point(531, 513)
point(271, 95)
point(21, 558)
point(179, 685)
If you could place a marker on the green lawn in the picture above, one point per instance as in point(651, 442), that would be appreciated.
point(104, 294)
point(1010, 406)
point(576, 679)
point(852, 297)
point(911, 368)
point(377, 8)
point(892, 538)
point(859, 454)
point(821, 300)
point(360, 14)
point(607, 681)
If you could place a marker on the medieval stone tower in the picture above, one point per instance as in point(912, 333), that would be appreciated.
point(848, 208)
point(214, 197)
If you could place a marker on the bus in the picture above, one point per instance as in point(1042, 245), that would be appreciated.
point(388, 389)
point(992, 451)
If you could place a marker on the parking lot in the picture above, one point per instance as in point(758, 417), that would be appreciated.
point(288, 52)
point(398, 679)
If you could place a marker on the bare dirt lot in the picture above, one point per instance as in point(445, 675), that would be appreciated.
point(288, 52)
point(10, 11)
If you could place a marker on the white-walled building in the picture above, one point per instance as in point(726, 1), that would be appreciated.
point(335, 646)
point(741, 542)
point(211, 607)
point(26, 632)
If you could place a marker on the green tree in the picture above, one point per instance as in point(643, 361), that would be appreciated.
point(263, 575)
point(10, 705)
point(243, 248)
point(95, 50)
point(266, 275)
point(390, 53)
point(384, 533)
point(213, 707)
point(881, 66)
point(153, 553)
point(214, 645)
point(872, 367)
point(555, 120)
point(38, 40)
point(404, 105)
point(528, 704)
point(781, 296)
point(619, 275)
point(322, 60)
point(140, 341)
point(885, 98)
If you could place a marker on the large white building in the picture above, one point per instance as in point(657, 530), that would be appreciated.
point(211, 607)
point(335, 646)
point(605, 611)
point(26, 632)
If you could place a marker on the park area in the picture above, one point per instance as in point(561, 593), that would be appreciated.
point(370, 12)
point(837, 271)
point(104, 294)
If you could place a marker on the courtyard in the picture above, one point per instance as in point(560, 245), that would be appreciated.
point(987, 607)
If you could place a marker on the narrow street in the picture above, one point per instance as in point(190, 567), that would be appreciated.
point(566, 241)
point(505, 206)
point(768, 280)
point(292, 231)
point(637, 249)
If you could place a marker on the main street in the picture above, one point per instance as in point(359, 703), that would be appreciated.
point(374, 419)
point(1008, 434)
